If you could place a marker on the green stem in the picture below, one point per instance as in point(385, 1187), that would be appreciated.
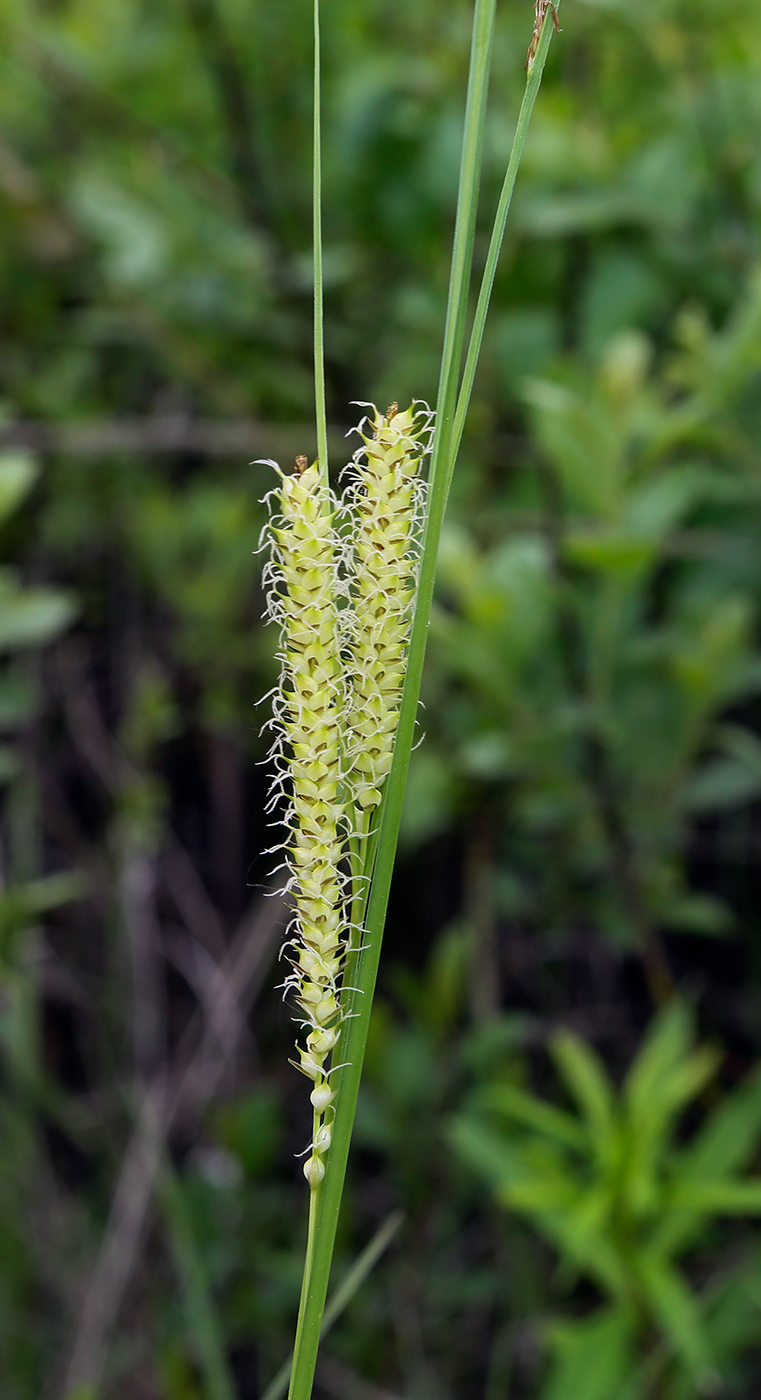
point(464, 235)
point(343, 1295)
point(307, 1283)
point(319, 339)
point(533, 84)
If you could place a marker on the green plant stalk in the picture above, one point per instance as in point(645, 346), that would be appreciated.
point(533, 83)
point(451, 412)
point(319, 337)
point(362, 1266)
point(303, 1323)
point(464, 236)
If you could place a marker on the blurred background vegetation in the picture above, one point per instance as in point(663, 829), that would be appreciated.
point(563, 1091)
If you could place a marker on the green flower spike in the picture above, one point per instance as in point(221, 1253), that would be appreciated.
point(385, 498)
point(337, 706)
point(309, 711)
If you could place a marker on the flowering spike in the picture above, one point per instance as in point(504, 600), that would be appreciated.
point(384, 495)
point(336, 709)
point(309, 716)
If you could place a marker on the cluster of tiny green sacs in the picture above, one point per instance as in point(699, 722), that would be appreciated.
point(309, 709)
point(384, 498)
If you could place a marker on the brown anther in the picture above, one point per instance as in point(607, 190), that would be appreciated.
point(302, 463)
point(391, 412)
point(540, 10)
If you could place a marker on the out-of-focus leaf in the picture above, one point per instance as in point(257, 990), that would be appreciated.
point(523, 342)
point(698, 913)
point(444, 986)
point(593, 1358)
point(665, 1047)
point(587, 1081)
point(732, 1311)
point(488, 1152)
point(659, 505)
point(708, 662)
point(616, 553)
point(717, 1197)
point(534, 1113)
point(31, 617)
point(729, 1138)
point(17, 700)
point(663, 1078)
point(574, 432)
point(131, 232)
point(743, 745)
point(22, 905)
point(719, 785)
point(18, 473)
point(679, 1316)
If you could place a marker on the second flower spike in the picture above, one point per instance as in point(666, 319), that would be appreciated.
point(385, 499)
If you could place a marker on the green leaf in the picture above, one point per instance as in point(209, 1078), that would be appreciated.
point(18, 699)
point(721, 784)
point(686, 1080)
point(18, 473)
point(593, 1358)
point(617, 553)
point(653, 1121)
point(741, 744)
point(585, 1077)
point(533, 1112)
point(717, 1197)
point(345, 1292)
point(487, 1152)
point(698, 913)
point(22, 905)
point(660, 504)
point(701, 1186)
point(708, 665)
point(661, 1081)
point(587, 1232)
point(31, 617)
point(733, 1310)
point(730, 1138)
point(677, 1314)
point(666, 1044)
point(574, 431)
point(545, 1197)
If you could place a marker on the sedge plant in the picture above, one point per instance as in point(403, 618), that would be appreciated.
point(351, 586)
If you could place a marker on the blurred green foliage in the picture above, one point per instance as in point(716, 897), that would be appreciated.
point(585, 665)
point(582, 826)
point(621, 1200)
